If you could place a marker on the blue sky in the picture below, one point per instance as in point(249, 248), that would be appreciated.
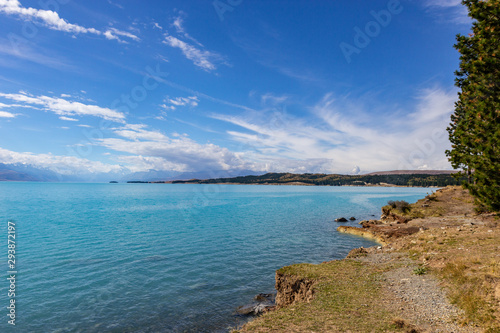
point(297, 86)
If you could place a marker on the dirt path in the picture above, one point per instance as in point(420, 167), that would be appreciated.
point(418, 301)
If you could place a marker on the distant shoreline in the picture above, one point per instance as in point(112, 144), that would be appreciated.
point(287, 184)
point(405, 178)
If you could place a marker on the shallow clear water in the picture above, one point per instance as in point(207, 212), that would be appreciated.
point(166, 258)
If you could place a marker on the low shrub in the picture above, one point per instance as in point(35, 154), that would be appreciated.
point(400, 205)
point(431, 197)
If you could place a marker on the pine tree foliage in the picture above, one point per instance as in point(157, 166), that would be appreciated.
point(475, 125)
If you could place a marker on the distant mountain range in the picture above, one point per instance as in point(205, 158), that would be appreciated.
point(24, 172)
point(28, 173)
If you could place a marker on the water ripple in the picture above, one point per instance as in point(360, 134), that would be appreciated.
point(94, 257)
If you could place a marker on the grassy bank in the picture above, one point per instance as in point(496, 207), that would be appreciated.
point(348, 294)
point(369, 292)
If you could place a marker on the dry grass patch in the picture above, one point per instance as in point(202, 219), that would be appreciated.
point(452, 200)
point(467, 260)
point(348, 297)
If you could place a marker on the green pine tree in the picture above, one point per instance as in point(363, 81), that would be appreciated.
point(475, 125)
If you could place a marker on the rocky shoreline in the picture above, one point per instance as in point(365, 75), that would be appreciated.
point(366, 233)
point(409, 298)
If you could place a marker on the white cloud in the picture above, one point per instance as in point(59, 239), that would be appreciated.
point(193, 50)
point(204, 96)
point(53, 21)
point(393, 141)
point(5, 114)
point(115, 4)
point(173, 103)
point(63, 107)
point(66, 165)
point(272, 99)
point(162, 58)
point(138, 132)
point(178, 21)
point(434, 104)
point(276, 132)
point(50, 18)
point(340, 134)
point(201, 58)
point(444, 3)
point(145, 163)
point(336, 135)
point(154, 149)
point(179, 27)
point(113, 33)
point(167, 107)
point(448, 11)
point(182, 101)
point(68, 118)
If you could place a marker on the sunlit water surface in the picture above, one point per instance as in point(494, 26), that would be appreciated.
point(166, 258)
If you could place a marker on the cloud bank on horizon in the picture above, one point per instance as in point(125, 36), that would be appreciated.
point(93, 87)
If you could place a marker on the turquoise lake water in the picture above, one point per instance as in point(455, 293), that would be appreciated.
point(166, 258)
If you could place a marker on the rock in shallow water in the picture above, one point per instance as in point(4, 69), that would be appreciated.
point(341, 219)
point(262, 303)
point(265, 298)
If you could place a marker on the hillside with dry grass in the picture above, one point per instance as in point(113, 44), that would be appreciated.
point(392, 178)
